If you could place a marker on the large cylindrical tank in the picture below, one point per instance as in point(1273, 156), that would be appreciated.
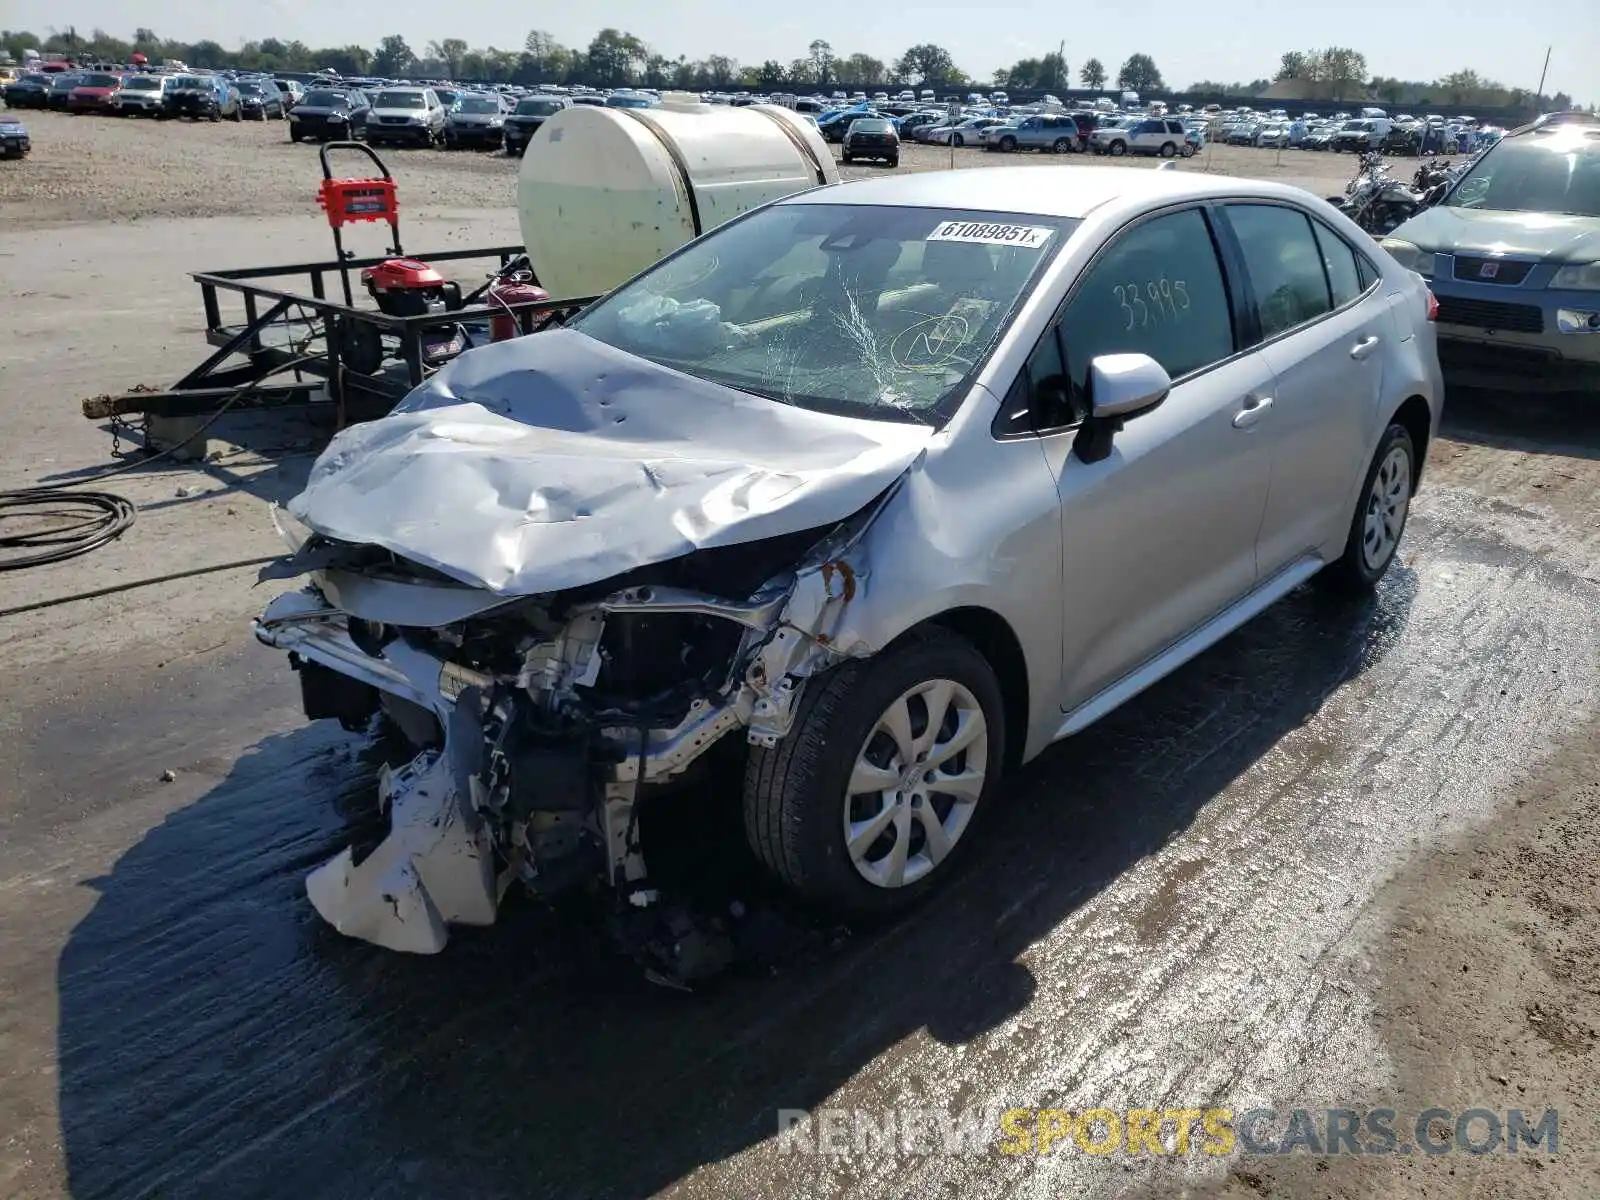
point(605, 192)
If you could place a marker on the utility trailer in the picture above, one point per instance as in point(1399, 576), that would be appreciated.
point(282, 342)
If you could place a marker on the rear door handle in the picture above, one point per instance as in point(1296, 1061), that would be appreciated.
point(1255, 407)
point(1364, 347)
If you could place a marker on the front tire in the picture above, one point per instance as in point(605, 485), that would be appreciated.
point(867, 803)
point(1188, 150)
point(1380, 516)
point(1007, 145)
point(1118, 149)
point(958, 140)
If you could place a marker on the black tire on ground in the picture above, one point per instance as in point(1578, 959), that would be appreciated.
point(1118, 149)
point(1188, 150)
point(959, 140)
point(1008, 144)
point(795, 794)
point(294, 135)
point(1168, 149)
point(1062, 146)
point(845, 158)
point(894, 162)
point(1353, 572)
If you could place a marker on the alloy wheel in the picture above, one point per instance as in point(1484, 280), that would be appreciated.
point(916, 783)
point(1387, 505)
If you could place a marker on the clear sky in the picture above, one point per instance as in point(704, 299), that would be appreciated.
point(1228, 40)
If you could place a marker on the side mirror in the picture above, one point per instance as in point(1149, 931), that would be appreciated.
point(1121, 386)
point(1126, 385)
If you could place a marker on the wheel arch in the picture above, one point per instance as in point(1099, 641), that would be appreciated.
point(1416, 418)
point(994, 638)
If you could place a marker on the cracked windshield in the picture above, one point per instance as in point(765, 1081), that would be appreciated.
point(854, 309)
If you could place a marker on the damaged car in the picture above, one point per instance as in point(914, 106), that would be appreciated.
point(850, 504)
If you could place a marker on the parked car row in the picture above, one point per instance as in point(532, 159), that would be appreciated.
point(198, 95)
point(1371, 130)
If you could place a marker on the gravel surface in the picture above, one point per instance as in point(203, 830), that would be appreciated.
point(143, 169)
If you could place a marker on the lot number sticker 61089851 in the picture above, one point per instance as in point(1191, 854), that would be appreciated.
point(986, 233)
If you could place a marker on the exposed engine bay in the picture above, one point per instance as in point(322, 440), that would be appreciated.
point(542, 722)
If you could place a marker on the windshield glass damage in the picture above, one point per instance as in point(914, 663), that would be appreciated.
point(858, 310)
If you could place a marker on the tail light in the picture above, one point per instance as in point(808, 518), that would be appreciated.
point(1433, 305)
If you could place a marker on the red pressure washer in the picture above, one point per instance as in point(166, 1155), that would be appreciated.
point(401, 287)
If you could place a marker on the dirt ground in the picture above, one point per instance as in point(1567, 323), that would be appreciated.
point(1344, 859)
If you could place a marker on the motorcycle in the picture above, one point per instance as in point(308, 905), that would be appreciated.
point(1378, 202)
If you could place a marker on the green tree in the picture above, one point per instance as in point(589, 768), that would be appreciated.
point(771, 74)
point(926, 64)
point(614, 55)
point(393, 57)
point(820, 55)
point(1293, 65)
point(1139, 74)
point(450, 52)
point(862, 69)
point(721, 70)
point(1339, 70)
point(658, 71)
point(208, 54)
point(1092, 74)
point(347, 60)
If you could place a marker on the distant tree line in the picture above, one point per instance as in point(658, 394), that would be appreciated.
point(615, 58)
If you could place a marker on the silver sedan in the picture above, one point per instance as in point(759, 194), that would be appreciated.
point(864, 497)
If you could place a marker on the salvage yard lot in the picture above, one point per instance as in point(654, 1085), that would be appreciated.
point(1346, 858)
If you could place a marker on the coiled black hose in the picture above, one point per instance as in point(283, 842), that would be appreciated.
point(64, 524)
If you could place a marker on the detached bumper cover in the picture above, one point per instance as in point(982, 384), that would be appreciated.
point(435, 869)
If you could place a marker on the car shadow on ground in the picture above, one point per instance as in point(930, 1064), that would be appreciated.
point(1565, 423)
point(217, 1039)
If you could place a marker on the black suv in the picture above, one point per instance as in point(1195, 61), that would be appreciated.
point(530, 113)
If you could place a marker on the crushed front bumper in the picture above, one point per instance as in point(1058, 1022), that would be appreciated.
point(437, 865)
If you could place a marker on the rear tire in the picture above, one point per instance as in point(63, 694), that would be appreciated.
point(1379, 520)
point(1168, 150)
point(1062, 146)
point(798, 802)
point(958, 140)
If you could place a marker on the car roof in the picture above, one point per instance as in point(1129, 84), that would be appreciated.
point(1072, 192)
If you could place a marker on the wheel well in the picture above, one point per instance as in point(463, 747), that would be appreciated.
point(990, 633)
point(1417, 420)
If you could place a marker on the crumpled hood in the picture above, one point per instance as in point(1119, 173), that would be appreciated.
point(1482, 231)
point(552, 461)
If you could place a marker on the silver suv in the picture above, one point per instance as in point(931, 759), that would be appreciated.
point(1154, 135)
point(406, 116)
point(1043, 131)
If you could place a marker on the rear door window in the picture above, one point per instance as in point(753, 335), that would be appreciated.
point(1339, 260)
point(1284, 263)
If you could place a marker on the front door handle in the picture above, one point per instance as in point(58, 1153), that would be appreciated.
point(1255, 407)
point(1364, 347)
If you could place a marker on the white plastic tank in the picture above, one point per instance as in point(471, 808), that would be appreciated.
point(605, 192)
